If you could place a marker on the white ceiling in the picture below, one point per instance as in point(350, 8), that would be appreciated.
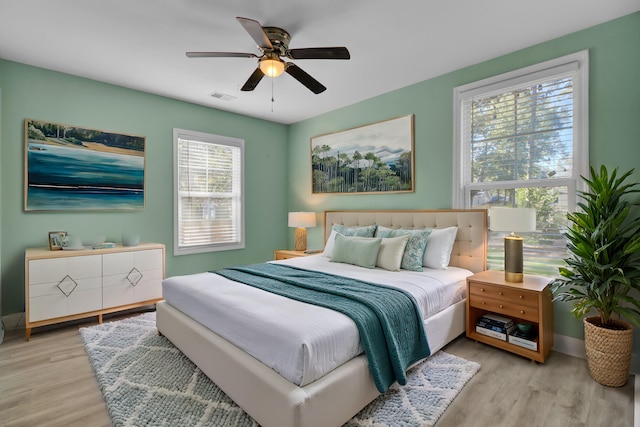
point(141, 44)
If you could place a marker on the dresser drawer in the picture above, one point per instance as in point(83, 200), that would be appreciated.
point(520, 297)
point(506, 307)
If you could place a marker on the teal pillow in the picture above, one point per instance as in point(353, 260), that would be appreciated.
point(359, 251)
point(414, 251)
point(365, 231)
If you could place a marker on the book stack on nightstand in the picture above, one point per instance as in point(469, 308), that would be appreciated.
point(527, 338)
point(495, 326)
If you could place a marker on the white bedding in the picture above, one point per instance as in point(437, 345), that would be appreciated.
point(308, 341)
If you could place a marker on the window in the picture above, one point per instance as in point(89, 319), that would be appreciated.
point(208, 192)
point(521, 140)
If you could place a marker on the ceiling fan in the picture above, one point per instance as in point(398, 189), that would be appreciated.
point(273, 42)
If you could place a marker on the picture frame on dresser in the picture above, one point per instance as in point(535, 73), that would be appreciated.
point(56, 240)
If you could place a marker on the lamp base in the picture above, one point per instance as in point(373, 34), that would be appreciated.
point(513, 259)
point(513, 277)
point(300, 239)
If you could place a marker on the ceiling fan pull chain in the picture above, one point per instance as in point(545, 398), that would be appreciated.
point(272, 101)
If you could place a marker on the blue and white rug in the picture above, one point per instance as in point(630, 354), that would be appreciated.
point(146, 381)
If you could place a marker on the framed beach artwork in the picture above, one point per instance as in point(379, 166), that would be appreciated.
point(375, 158)
point(74, 168)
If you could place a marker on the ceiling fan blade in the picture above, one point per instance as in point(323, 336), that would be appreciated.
point(253, 80)
point(320, 53)
point(256, 32)
point(220, 55)
point(300, 75)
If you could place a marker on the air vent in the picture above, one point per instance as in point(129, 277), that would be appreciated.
point(223, 96)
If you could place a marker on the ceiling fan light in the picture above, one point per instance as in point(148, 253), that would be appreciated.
point(272, 67)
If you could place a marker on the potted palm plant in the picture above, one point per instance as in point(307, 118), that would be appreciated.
point(602, 272)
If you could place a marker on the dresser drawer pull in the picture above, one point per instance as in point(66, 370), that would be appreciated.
point(521, 311)
point(481, 289)
point(501, 306)
point(134, 276)
point(500, 293)
point(66, 280)
point(521, 297)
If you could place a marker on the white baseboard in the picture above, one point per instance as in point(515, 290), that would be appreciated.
point(569, 345)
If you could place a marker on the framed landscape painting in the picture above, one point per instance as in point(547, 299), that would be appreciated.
point(375, 158)
point(73, 168)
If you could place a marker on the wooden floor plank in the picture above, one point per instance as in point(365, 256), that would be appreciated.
point(49, 381)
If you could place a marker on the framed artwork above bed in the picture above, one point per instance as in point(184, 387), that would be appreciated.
point(375, 158)
point(74, 168)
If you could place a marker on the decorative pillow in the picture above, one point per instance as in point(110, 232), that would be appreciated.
point(439, 247)
point(366, 231)
point(360, 251)
point(414, 251)
point(391, 252)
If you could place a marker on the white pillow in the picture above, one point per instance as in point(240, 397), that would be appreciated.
point(331, 241)
point(439, 247)
point(391, 252)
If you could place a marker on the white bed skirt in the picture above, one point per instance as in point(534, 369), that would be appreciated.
point(270, 399)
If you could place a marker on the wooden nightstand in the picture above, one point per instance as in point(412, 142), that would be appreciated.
point(286, 254)
point(526, 302)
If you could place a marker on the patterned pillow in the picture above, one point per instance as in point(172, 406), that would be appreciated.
point(414, 251)
point(366, 231)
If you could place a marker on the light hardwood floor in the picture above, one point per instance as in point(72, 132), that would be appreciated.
point(49, 381)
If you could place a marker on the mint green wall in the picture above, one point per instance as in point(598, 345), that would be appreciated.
point(29, 92)
point(614, 125)
point(282, 182)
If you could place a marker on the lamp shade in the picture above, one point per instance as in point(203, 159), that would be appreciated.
point(302, 219)
point(512, 219)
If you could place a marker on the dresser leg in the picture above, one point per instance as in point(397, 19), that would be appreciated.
point(27, 332)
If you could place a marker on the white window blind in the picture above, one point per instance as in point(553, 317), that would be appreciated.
point(521, 141)
point(209, 208)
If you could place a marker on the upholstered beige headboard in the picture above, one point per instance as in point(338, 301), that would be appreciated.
point(469, 250)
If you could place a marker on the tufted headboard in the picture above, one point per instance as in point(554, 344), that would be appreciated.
point(469, 249)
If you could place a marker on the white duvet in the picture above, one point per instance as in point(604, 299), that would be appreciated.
point(300, 341)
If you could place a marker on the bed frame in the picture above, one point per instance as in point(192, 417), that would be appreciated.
point(336, 397)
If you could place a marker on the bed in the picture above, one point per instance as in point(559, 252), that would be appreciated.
point(333, 397)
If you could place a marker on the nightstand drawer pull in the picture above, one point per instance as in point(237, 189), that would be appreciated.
point(501, 306)
point(500, 293)
point(521, 311)
point(481, 289)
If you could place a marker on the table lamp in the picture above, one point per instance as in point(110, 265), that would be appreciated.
point(512, 220)
point(301, 220)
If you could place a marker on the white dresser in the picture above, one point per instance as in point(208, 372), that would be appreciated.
point(68, 285)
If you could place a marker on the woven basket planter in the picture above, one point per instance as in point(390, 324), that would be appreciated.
point(608, 351)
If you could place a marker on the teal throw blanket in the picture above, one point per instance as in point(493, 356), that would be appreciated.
point(388, 319)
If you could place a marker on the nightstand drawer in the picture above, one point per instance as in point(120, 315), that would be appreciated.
point(507, 308)
point(520, 297)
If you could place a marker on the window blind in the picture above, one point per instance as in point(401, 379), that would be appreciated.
point(209, 194)
point(524, 132)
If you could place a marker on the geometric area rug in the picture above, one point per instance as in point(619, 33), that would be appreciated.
point(146, 381)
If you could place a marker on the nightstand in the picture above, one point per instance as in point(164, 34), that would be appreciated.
point(286, 254)
point(526, 302)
